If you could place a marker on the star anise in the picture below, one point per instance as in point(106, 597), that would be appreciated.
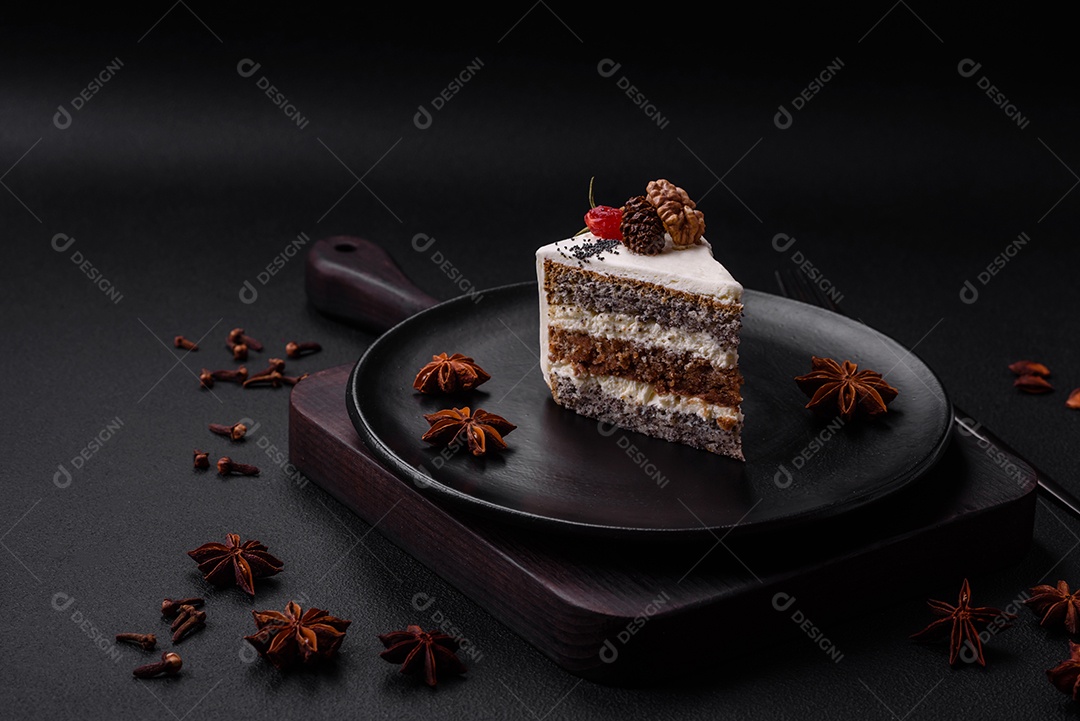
point(450, 374)
point(297, 636)
point(235, 562)
point(480, 430)
point(1066, 675)
point(845, 386)
point(1056, 605)
point(960, 623)
point(416, 649)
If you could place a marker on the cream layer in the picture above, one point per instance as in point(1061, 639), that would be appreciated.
point(650, 335)
point(644, 394)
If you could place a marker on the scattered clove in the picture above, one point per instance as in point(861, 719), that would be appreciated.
point(182, 342)
point(187, 621)
point(171, 607)
point(238, 337)
point(207, 378)
point(146, 640)
point(276, 364)
point(202, 459)
point(236, 431)
point(227, 466)
point(169, 665)
point(239, 351)
point(295, 350)
point(274, 379)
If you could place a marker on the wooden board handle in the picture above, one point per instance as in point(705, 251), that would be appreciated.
point(354, 280)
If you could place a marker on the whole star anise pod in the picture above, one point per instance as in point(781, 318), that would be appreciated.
point(480, 430)
point(235, 562)
point(418, 650)
point(297, 636)
point(1066, 675)
point(1056, 605)
point(846, 387)
point(960, 624)
point(450, 374)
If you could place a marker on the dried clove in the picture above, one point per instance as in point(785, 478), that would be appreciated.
point(187, 622)
point(207, 378)
point(276, 364)
point(274, 379)
point(227, 466)
point(169, 666)
point(295, 350)
point(236, 431)
point(171, 607)
point(182, 342)
point(146, 640)
point(238, 337)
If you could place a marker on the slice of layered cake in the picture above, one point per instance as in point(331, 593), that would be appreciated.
point(639, 323)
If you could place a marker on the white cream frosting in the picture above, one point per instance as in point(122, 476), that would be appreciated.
point(691, 270)
point(644, 394)
point(623, 326)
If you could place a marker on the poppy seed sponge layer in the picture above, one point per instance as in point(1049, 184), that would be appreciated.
point(649, 343)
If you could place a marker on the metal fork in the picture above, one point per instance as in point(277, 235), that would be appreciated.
point(796, 285)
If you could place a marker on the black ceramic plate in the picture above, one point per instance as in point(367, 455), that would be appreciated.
point(570, 473)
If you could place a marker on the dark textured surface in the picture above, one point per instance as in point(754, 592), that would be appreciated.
point(180, 180)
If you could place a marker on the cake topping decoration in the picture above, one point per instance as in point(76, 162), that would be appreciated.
point(684, 224)
point(642, 229)
point(480, 430)
point(450, 374)
point(844, 387)
point(430, 652)
point(602, 220)
point(585, 251)
point(960, 624)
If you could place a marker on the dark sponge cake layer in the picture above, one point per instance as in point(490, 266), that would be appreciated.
point(567, 285)
point(670, 372)
point(688, 428)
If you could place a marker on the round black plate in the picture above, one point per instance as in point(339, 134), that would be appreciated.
point(567, 472)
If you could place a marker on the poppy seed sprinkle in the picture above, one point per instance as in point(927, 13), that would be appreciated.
point(586, 251)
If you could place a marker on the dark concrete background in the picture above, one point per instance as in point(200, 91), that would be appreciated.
point(180, 180)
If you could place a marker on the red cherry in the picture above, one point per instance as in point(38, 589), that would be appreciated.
point(604, 222)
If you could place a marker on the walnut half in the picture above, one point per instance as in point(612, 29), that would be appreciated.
point(683, 223)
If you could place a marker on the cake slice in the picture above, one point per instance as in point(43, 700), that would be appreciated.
point(645, 340)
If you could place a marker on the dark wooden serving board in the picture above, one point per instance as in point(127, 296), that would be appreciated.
point(619, 611)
